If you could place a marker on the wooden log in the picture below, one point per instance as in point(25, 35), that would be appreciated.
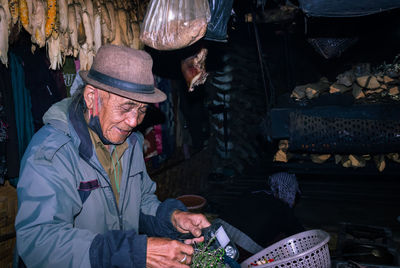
point(357, 161)
point(299, 92)
point(338, 88)
point(319, 158)
point(393, 91)
point(346, 162)
point(347, 78)
point(367, 157)
point(315, 89)
point(373, 91)
point(388, 80)
point(380, 162)
point(368, 81)
point(338, 158)
point(357, 92)
point(311, 93)
point(394, 157)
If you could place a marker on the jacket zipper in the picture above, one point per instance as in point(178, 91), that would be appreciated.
point(115, 200)
point(126, 181)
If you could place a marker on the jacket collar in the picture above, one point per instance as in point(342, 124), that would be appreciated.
point(75, 114)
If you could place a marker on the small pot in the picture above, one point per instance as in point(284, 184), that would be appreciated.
point(194, 203)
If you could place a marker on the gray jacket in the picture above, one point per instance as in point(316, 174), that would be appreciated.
point(68, 215)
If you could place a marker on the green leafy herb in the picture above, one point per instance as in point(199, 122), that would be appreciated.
point(204, 256)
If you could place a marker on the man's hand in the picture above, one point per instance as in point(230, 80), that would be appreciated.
point(187, 222)
point(164, 252)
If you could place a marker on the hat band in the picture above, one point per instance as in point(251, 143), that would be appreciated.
point(121, 84)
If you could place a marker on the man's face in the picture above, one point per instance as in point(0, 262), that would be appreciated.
point(118, 116)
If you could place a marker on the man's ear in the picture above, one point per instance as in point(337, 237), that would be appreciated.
point(89, 96)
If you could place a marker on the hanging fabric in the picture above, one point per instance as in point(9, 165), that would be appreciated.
point(11, 144)
point(22, 103)
point(45, 86)
point(69, 73)
point(167, 108)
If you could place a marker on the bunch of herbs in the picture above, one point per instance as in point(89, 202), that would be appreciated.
point(205, 256)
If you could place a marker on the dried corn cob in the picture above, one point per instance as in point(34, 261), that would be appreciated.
point(83, 57)
point(113, 19)
point(38, 23)
point(24, 15)
point(51, 17)
point(13, 5)
point(123, 24)
point(118, 34)
point(89, 10)
point(137, 43)
point(4, 4)
point(56, 28)
point(53, 50)
point(64, 48)
point(72, 30)
point(88, 29)
point(97, 31)
point(4, 36)
point(63, 15)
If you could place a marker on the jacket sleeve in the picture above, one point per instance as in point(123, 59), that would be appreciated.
point(161, 225)
point(48, 201)
point(115, 248)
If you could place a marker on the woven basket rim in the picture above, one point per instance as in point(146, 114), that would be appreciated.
point(286, 240)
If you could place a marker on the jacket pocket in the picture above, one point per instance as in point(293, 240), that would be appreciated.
point(86, 187)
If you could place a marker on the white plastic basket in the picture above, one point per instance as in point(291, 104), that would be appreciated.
point(307, 249)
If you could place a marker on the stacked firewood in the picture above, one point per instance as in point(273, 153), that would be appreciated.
point(347, 161)
point(361, 84)
point(365, 85)
point(72, 27)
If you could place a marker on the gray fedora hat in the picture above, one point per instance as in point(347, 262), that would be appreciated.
point(124, 71)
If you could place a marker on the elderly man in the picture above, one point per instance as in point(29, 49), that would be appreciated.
point(85, 198)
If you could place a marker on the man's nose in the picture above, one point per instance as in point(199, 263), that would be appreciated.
point(132, 119)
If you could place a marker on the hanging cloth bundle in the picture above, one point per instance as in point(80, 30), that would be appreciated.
point(22, 103)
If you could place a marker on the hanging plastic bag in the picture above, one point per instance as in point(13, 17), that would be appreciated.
point(174, 24)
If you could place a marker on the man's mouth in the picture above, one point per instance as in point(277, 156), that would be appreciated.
point(124, 132)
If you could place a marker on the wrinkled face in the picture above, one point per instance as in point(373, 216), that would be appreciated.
point(118, 116)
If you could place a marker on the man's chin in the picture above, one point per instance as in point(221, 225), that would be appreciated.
point(119, 140)
point(121, 136)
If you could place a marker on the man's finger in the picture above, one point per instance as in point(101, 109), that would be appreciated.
point(194, 240)
point(196, 231)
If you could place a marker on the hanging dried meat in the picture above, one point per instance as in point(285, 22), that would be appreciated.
point(193, 69)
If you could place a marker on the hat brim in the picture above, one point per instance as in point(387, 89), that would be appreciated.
point(156, 97)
